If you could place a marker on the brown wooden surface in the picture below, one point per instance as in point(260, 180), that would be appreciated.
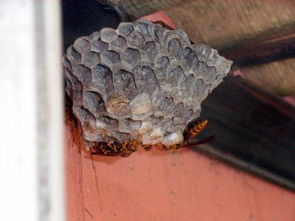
point(231, 24)
point(268, 64)
point(263, 52)
point(276, 77)
point(138, 8)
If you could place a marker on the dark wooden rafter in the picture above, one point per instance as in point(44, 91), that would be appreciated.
point(263, 52)
point(253, 130)
point(134, 9)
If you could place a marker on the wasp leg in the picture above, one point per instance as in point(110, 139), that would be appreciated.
point(114, 149)
point(129, 147)
point(147, 147)
point(108, 149)
point(172, 147)
point(99, 149)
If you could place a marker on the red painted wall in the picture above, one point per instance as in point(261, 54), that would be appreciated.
point(172, 186)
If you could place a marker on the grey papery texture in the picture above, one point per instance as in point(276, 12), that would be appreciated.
point(140, 81)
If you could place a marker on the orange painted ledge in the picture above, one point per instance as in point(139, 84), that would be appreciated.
point(165, 186)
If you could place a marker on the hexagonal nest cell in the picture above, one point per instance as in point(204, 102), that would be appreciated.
point(140, 81)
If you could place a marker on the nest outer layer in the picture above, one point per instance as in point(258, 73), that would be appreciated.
point(140, 81)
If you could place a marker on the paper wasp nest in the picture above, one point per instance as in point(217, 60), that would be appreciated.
point(140, 81)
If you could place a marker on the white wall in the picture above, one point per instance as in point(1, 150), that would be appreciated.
point(31, 138)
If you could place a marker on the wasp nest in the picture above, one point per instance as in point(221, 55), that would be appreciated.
point(140, 81)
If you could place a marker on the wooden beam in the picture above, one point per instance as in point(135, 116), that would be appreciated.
point(253, 130)
point(263, 52)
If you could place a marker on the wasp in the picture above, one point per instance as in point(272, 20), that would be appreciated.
point(128, 147)
point(194, 129)
point(115, 148)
